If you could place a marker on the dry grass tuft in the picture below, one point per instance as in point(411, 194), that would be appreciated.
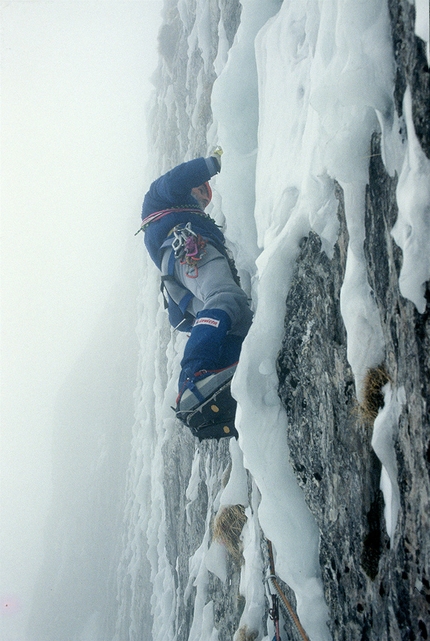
point(227, 528)
point(245, 634)
point(373, 399)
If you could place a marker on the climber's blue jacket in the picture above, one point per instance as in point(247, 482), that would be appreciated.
point(169, 203)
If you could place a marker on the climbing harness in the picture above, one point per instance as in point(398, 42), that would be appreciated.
point(188, 247)
point(285, 604)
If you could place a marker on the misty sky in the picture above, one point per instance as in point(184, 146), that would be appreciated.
point(75, 83)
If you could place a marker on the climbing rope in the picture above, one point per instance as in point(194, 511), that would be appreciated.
point(289, 608)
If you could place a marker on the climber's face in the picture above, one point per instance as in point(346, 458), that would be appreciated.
point(201, 194)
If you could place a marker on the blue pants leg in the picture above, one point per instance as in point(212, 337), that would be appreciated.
point(205, 346)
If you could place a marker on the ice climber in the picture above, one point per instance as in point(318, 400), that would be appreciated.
point(202, 293)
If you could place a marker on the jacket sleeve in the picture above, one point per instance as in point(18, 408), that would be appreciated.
point(174, 188)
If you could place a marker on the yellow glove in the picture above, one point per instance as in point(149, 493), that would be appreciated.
point(217, 153)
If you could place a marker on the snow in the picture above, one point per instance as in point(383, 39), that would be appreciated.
point(412, 229)
point(193, 485)
point(365, 341)
point(253, 569)
point(222, 52)
point(216, 561)
point(236, 490)
point(235, 109)
point(384, 431)
point(422, 23)
point(201, 34)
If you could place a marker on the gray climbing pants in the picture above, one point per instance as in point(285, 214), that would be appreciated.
point(213, 287)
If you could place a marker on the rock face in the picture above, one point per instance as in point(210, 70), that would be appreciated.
point(187, 523)
point(376, 588)
point(412, 68)
point(182, 112)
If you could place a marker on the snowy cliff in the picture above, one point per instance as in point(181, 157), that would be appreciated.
point(322, 109)
point(324, 193)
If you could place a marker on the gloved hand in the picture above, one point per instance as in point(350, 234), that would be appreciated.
point(216, 154)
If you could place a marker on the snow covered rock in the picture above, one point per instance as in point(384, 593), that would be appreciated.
point(375, 562)
point(370, 578)
point(335, 136)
